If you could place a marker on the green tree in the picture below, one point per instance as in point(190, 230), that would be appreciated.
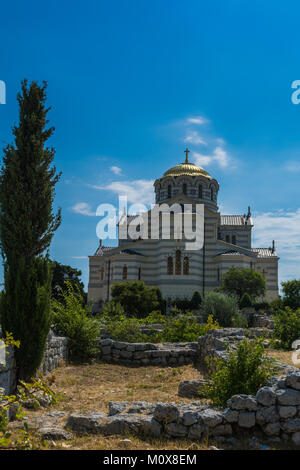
point(137, 299)
point(62, 273)
point(27, 225)
point(195, 301)
point(241, 281)
point(291, 290)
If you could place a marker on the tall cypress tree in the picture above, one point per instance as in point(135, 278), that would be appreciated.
point(27, 225)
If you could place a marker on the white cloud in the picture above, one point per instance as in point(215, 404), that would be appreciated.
point(197, 120)
point(283, 227)
point(293, 167)
point(139, 191)
point(116, 170)
point(219, 156)
point(83, 208)
point(193, 137)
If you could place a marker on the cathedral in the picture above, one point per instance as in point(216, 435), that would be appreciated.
point(166, 263)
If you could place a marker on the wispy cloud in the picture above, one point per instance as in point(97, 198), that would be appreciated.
point(116, 170)
point(83, 208)
point(218, 156)
point(193, 137)
point(283, 226)
point(197, 120)
point(138, 191)
point(293, 167)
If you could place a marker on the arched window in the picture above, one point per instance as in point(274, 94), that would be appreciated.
point(184, 188)
point(227, 239)
point(169, 191)
point(212, 194)
point(178, 262)
point(170, 265)
point(139, 273)
point(233, 239)
point(200, 191)
point(186, 265)
point(124, 274)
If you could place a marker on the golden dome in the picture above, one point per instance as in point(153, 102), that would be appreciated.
point(189, 169)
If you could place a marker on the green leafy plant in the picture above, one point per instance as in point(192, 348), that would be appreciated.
point(75, 321)
point(286, 328)
point(245, 301)
point(137, 299)
point(22, 439)
point(246, 370)
point(222, 307)
point(239, 281)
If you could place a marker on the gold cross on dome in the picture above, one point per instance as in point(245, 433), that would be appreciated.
point(186, 151)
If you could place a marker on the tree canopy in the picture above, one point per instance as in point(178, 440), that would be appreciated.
point(137, 299)
point(241, 281)
point(291, 290)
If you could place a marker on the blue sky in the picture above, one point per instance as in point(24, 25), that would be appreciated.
point(131, 83)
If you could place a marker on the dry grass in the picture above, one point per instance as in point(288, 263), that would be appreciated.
point(92, 387)
point(283, 356)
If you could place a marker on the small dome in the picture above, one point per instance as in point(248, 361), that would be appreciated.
point(189, 169)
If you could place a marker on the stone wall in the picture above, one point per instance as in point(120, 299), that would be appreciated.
point(216, 342)
point(143, 354)
point(56, 351)
point(273, 414)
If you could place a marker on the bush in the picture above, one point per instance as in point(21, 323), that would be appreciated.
point(262, 306)
point(223, 308)
point(276, 305)
point(196, 301)
point(286, 328)
point(184, 328)
point(291, 290)
point(71, 319)
point(137, 299)
point(246, 370)
point(245, 301)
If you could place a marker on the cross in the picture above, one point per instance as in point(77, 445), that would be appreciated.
point(186, 151)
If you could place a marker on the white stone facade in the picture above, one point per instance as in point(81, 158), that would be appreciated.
point(227, 243)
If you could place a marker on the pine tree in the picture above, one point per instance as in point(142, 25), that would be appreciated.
point(27, 225)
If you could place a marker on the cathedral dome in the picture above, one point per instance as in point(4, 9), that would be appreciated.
point(186, 169)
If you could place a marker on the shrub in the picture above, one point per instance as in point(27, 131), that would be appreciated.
point(246, 370)
point(195, 301)
point(286, 327)
point(136, 298)
point(262, 306)
point(182, 304)
point(240, 321)
point(276, 305)
point(223, 308)
point(71, 319)
point(245, 301)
